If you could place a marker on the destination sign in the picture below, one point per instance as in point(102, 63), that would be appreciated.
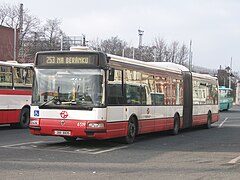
point(67, 59)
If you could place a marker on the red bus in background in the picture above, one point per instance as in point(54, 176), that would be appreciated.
point(15, 93)
point(90, 94)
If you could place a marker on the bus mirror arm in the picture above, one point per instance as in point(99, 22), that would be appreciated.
point(24, 76)
point(108, 59)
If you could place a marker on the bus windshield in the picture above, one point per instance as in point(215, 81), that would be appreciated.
point(225, 93)
point(69, 88)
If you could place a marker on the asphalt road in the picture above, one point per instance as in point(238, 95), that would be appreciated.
point(196, 153)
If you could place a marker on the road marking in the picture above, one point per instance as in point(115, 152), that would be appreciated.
point(12, 145)
point(220, 125)
point(235, 118)
point(108, 150)
point(34, 146)
point(234, 161)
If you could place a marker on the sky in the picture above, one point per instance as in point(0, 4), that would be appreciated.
point(213, 26)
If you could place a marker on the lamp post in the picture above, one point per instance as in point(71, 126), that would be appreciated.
point(228, 69)
point(190, 56)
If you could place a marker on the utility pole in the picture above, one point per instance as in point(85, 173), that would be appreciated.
point(140, 34)
point(20, 36)
point(84, 40)
point(15, 44)
point(123, 52)
point(190, 56)
point(21, 18)
point(230, 72)
point(61, 42)
point(154, 54)
point(133, 54)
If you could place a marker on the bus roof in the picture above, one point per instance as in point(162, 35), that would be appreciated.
point(205, 76)
point(169, 65)
point(16, 64)
point(164, 66)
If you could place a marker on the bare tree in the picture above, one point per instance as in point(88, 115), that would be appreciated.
point(95, 44)
point(145, 53)
point(3, 13)
point(183, 55)
point(173, 49)
point(43, 39)
point(113, 46)
point(160, 49)
point(53, 33)
point(10, 17)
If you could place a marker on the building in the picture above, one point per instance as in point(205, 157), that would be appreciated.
point(7, 43)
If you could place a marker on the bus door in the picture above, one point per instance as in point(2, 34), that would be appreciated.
point(3, 111)
point(116, 110)
point(6, 89)
point(187, 99)
point(147, 110)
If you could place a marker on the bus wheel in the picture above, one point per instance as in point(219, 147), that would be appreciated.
point(176, 125)
point(227, 107)
point(209, 121)
point(132, 131)
point(24, 118)
point(70, 139)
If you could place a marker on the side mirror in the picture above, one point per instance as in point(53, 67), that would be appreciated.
point(111, 74)
point(108, 59)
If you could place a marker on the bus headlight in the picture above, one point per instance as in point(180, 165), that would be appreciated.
point(96, 125)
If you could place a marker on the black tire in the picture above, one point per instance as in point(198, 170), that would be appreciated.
point(132, 131)
point(227, 107)
point(24, 118)
point(209, 121)
point(70, 139)
point(176, 126)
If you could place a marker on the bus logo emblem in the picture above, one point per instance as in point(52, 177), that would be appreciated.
point(62, 122)
point(64, 114)
point(148, 111)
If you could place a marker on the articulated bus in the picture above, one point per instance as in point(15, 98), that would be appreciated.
point(15, 93)
point(225, 98)
point(90, 94)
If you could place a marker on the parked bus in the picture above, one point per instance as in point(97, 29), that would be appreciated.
point(15, 93)
point(90, 94)
point(225, 98)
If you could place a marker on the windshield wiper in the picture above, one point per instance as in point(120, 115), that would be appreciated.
point(68, 103)
point(52, 99)
point(45, 103)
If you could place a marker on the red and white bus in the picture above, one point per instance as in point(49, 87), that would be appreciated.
point(15, 93)
point(90, 94)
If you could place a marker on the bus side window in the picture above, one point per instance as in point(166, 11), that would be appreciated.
point(157, 99)
point(5, 77)
point(22, 78)
point(161, 90)
point(115, 88)
point(115, 94)
point(143, 95)
point(133, 94)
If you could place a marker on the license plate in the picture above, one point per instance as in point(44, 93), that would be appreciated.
point(65, 133)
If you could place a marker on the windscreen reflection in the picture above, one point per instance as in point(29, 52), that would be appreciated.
point(69, 88)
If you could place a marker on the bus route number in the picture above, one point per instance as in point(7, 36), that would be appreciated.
point(50, 60)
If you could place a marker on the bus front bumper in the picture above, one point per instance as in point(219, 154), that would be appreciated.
point(73, 128)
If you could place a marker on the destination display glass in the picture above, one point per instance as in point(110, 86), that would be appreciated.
point(67, 59)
